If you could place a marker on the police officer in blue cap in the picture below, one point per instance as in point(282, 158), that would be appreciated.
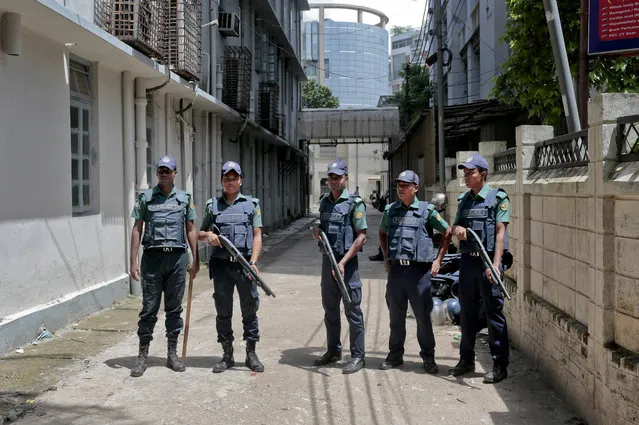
point(487, 212)
point(343, 219)
point(405, 235)
point(239, 219)
point(167, 215)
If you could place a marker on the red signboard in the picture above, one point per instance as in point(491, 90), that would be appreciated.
point(618, 20)
point(614, 26)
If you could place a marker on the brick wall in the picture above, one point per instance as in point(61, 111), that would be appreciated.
point(574, 233)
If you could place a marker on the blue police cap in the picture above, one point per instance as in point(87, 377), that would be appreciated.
point(168, 162)
point(338, 167)
point(474, 161)
point(408, 176)
point(231, 166)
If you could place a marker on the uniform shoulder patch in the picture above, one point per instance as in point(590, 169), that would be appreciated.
point(504, 206)
point(359, 214)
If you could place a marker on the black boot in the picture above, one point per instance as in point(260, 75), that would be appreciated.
point(393, 360)
point(140, 363)
point(172, 359)
point(227, 358)
point(252, 361)
point(377, 257)
point(430, 366)
point(499, 373)
point(462, 367)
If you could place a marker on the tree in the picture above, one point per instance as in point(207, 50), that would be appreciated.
point(528, 76)
point(415, 95)
point(398, 30)
point(317, 96)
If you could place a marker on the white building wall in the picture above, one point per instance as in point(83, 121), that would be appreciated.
point(46, 252)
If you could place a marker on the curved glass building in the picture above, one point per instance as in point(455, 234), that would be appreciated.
point(351, 58)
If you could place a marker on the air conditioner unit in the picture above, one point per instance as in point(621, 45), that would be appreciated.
point(229, 24)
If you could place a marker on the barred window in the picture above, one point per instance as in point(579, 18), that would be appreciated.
point(81, 110)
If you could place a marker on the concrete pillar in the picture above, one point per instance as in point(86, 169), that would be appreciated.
point(488, 151)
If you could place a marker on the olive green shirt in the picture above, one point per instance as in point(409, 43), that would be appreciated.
point(358, 218)
point(435, 220)
point(502, 204)
point(140, 208)
point(207, 221)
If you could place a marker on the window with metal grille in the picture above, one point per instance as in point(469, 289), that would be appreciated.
point(328, 151)
point(81, 109)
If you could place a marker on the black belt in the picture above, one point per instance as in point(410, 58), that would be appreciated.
point(408, 263)
point(166, 249)
point(229, 260)
point(471, 254)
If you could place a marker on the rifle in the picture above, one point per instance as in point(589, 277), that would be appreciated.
point(238, 257)
point(338, 274)
point(479, 247)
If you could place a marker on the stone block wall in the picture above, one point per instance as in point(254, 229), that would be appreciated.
point(574, 233)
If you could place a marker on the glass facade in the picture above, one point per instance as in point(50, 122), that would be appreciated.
point(355, 61)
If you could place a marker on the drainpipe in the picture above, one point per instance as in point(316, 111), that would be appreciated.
point(128, 149)
point(141, 143)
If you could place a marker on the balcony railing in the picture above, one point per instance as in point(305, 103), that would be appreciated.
point(237, 78)
point(139, 23)
point(506, 161)
point(183, 41)
point(628, 138)
point(570, 150)
point(269, 100)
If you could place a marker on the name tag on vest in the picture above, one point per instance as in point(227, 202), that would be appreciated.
point(405, 221)
point(330, 217)
point(164, 207)
point(475, 213)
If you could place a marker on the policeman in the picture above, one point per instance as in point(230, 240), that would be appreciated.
point(239, 219)
point(343, 219)
point(405, 235)
point(487, 212)
point(167, 215)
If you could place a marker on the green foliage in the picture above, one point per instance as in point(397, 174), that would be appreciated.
point(317, 96)
point(397, 30)
point(414, 98)
point(528, 76)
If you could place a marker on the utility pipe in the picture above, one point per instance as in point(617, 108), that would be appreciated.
point(141, 144)
point(128, 150)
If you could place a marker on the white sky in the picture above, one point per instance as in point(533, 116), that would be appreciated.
point(399, 12)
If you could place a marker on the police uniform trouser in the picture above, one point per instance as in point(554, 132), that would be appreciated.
point(162, 272)
point(406, 284)
point(226, 276)
point(473, 285)
point(331, 299)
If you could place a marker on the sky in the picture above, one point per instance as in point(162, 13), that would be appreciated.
point(399, 12)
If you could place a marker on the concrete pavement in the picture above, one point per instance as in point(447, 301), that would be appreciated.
point(86, 368)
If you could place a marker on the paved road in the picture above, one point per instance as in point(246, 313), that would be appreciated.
point(99, 390)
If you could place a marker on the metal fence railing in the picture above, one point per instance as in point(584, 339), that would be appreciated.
point(570, 150)
point(506, 161)
point(139, 23)
point(628, 138)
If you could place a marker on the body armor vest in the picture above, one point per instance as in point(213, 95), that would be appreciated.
point(480, 215)
point(335, 221)
point(235, 223)
point(167, 217)
point(409, 235)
